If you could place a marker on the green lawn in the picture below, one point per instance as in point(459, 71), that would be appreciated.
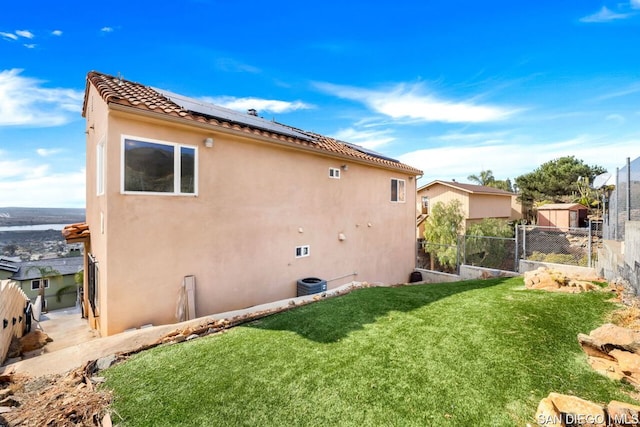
point(475, 353)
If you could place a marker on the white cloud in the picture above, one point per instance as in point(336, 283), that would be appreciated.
point(46, 152)
point(231, 65)
point(23, 101)
point(412, 102)
point(616, 118)
point(368, 138)
point(30, 46)
point(244, 104)
point(29, 182)
point(635, 4)
point(106, 29)
point(25, 33)
point(604, 15)
point(45, 190)
point(510, 160)
point(630, 90)
point(56, 33)
point(8, 36)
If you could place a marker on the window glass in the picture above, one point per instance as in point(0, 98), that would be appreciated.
point(401, 191)
point(187, 169)
point(35, 284)
point(154, 167)
point(397, 190)
point(148, 166)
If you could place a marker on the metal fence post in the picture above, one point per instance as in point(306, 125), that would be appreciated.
point(615, 228)
point(516, 267)
point(589, 245)
point(628, 189)
point(460, 239)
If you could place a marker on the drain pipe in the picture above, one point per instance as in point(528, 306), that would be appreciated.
point(343, 276)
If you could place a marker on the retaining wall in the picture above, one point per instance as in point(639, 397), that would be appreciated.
point(467, 272)
point(572, 270)
point(622, 259)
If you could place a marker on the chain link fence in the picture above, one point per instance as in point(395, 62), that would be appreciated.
point(490, 252)
point(438, 257)
point(623, 203)
point(571, 246)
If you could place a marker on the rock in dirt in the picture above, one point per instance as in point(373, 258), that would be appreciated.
point(556, 281)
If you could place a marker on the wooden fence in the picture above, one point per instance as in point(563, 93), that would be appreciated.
point(12, 317)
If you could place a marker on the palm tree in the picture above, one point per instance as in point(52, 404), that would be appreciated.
point(485, 178)
point(44, 272)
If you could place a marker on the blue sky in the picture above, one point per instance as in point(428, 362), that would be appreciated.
point(451, 87)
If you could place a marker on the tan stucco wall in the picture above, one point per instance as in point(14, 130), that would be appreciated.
point(475, 207)
point(516, 208)
point(256, 203)
point(489, 206)
point(97, 209)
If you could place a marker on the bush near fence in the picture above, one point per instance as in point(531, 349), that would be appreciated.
point(12, 304)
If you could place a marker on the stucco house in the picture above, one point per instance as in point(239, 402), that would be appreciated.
point(562, 215)
point(477, 201)
point(180, 189)
point(60, 290)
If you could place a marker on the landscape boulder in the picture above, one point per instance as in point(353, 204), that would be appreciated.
point(551, 280)
point(613, 351)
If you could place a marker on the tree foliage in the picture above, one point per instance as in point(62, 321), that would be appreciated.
point(484, 178)
point(482, 244)
point(487, 179)
point(556, 181)
point(441, 231)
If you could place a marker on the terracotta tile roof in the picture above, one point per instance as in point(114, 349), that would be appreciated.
point(76, 232)
point(115, 90)
point(469, 188)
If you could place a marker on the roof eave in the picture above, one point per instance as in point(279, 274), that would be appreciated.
point(281, 141)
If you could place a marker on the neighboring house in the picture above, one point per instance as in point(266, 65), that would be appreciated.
point(60, 291)
point(477, 202)
point(562, 215)
point(8, 266)
point(178, 188)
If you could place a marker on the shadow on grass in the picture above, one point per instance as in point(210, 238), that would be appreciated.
point(333, 319)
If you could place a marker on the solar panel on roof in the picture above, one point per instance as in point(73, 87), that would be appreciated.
point(9, 267)
point(233, 116)
point(369, 152)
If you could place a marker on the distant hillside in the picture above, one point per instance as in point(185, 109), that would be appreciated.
point(31, 216)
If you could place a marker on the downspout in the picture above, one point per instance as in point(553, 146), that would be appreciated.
point(415, 230)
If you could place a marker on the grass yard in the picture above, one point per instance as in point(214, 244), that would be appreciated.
point(474, 353)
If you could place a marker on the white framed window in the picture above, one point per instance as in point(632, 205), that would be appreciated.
point(100, 168)
point(158, 167)
point(302, 251)
point(334, 173)
point(425, 203)
point(398, 193)
point(35, 284)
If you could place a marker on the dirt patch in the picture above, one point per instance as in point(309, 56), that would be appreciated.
point(72, 399)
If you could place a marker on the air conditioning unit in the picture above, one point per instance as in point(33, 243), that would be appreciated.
point(311, 285)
